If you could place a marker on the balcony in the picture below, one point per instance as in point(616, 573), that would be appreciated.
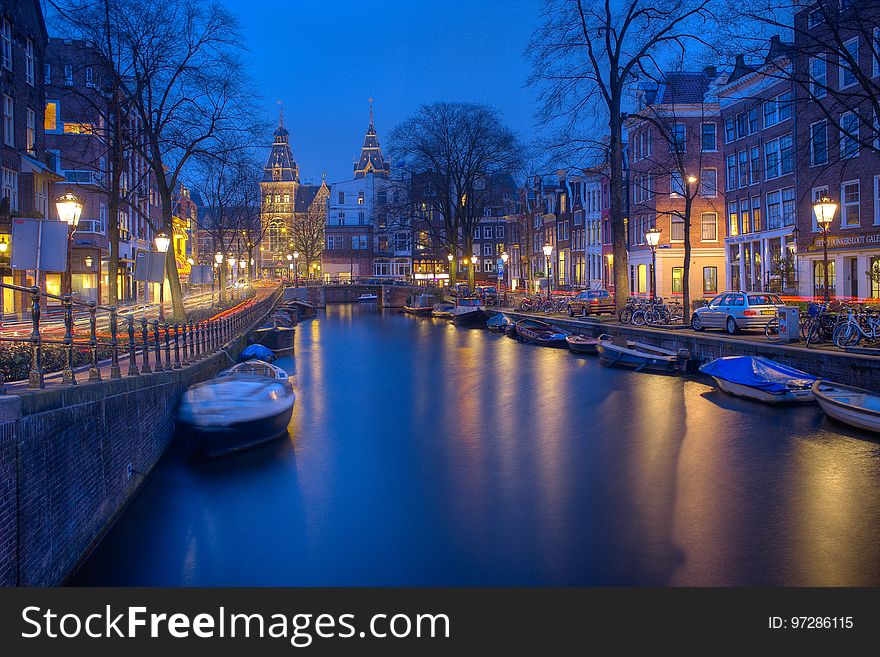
point(90, 226)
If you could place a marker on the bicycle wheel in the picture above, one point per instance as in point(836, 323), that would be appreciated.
point(816, 333)
point(804, 327)
point(625, 315)
point(771, 330)
point(846, 335)
point(638, 318)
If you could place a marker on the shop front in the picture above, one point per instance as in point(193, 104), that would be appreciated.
point(853, 270)
point(764, 261)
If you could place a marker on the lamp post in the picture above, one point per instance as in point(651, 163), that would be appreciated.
point(218, 261)
point(296, 269)
point(652, 237)
point(502, 278)
point(69, 209)
point(474, 270)
point(233, 269)
point(824, 210)
point(548, 249)
point(289, 268)
point(162, 243)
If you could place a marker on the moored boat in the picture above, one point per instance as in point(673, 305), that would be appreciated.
point(499, 323)
point(256, 352)
point(761, 379)
point(421, 304)
point(582, 344)
point(640, 356)
point(247, 404)
point(854, 406)
point(469, 311)
point(299, 308)
point(274, 337)
point(368, 297)
point(541, 333)
point(443, 311)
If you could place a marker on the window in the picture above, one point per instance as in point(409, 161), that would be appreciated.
point(334, 242)
point(709, 227)
point(729, 131)
point(287, 198)
point(29, 62)
point(709, 137)
point(851, 202)
point(819, 278)
point(341, 218)
point(277, 196)
point(774, 210)
point(68, 75)
point(341, 198)
point(755, 165)
point(744, 225)
point(487, 232)
point(10, 187)
point(753, 120)
point(773, 157)
point(676, 186)
point(8, 121)
point(743, 168)
point(677, 278)
point(786, 155)
point(676, 229)
point(361, 218)
point(47, 73)
point(756, 213)
point(731, 172)
point(679, 137)
point(710, 280)
point(848, 63)
point(875, 66)
point(732, 219)
point(771, 113)
point(487, 248)
point(742, 125)
point(877, 201)
point(499, 231)
point(488, 265)
point(90, 76)
point(709, 182)
point(814, 18)
point(31, 133)
point(818, 77)
point(6, 47)
point(789, 211)
point(818, 143)
point(849, 135)
point(784, 104)
point(817, 193)
point(360, 198)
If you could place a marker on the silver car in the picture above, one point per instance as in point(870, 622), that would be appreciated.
point(733, 311)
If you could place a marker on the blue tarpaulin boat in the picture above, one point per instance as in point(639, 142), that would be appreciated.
point(761, 379)
point(499, 322)
point(258, 351)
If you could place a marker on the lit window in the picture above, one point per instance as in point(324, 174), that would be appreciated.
point(50, 119)
point(31, 133)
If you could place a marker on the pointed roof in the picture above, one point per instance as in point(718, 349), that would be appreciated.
point(371, 160)
point(281, 167)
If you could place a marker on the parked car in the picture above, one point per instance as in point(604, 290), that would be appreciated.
point(734, 311)
point(591, 302)
point(459, 290)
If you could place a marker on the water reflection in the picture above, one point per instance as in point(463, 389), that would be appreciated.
point(425, 454)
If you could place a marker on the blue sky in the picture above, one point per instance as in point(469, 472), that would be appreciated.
point(325, 59)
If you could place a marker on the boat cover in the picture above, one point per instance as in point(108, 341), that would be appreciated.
point(757, 372)
point(498, 321)
point(257, 351)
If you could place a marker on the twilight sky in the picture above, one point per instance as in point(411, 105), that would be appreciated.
point(325, 58)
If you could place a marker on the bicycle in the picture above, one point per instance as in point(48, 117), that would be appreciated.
point(624, 315)
point(858, 325)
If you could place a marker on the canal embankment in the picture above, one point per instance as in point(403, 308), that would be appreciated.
point(835, 365)
point(72, 457)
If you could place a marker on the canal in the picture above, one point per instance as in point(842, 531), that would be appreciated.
point(423, 454)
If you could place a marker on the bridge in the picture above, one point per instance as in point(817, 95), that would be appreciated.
point(388, 296)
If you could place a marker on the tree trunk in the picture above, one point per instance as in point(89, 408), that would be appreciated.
point(178, 310)
point(618, 223)
point(686, 282)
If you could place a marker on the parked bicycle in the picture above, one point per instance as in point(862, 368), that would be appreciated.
point(859, 324)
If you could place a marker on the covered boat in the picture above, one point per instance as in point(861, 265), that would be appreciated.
point(469, 311)
point(247, 404)
point(541, 333)
point(640, 356)
point(298, 308)
point(499, 323)
point(274, 336)
point(256, 352)
point(582, 344)
point(761, 379)
point(854, 406)
point(443, 311)
point(420, 304)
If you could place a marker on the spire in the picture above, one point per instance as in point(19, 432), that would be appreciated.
point(281, 133)
point(371, 160)
point(281, 167)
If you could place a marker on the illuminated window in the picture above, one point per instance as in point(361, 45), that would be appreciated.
point(79, 129)
point(50, 121)
point(31, 133)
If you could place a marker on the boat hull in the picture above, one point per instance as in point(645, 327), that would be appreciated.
point(420, 312)
point(802, 396)
point(476, 317)
point(846, 412)
point(276, 338)
point(213, 441)
point(583, 347)
point(613, 356)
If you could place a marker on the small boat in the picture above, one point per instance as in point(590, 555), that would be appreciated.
point(854, 406)
point(443, 311)
point(582, 344)
point(640, 356)
point(499, 323)
point(256, 352)
point(761, 379)
point(421, 304)
point(274, 336)
point(469, 311)
point(541, 333)
point(368, 297)
point(248, 404)
point(299, 308)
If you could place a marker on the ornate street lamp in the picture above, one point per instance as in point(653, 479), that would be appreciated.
point(162, 243)
point(504, 259)
point(4, 245)
point(296, 269)
point(824, 210)
point(548, 250)
point(88, 261)
point(652, 237)
point(69, 209)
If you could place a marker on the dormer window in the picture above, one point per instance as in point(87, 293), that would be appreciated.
point(276, 173)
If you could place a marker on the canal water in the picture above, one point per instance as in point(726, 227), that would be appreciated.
point(423, 454)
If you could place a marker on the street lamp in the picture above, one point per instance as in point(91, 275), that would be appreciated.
point(4, 245)
point(652, 237)
point(88, 261)
point(69, 209)
point(504, 259)
point(218, 261)
point(548, 249)
point(296, 269)
point(162, 243)
point(824, 210)
point(474, 269)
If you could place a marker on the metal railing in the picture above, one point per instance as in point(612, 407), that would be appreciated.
point(161, 346)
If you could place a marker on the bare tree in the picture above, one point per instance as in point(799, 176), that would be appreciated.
point(455, 150)
point(585, 57)
point(307, 232)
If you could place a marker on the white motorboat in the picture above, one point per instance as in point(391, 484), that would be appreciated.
point(368, 297)
point(249, 403)
point(854, 406)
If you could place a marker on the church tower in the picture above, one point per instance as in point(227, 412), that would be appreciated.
point(371, 160)
point(278, 188)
